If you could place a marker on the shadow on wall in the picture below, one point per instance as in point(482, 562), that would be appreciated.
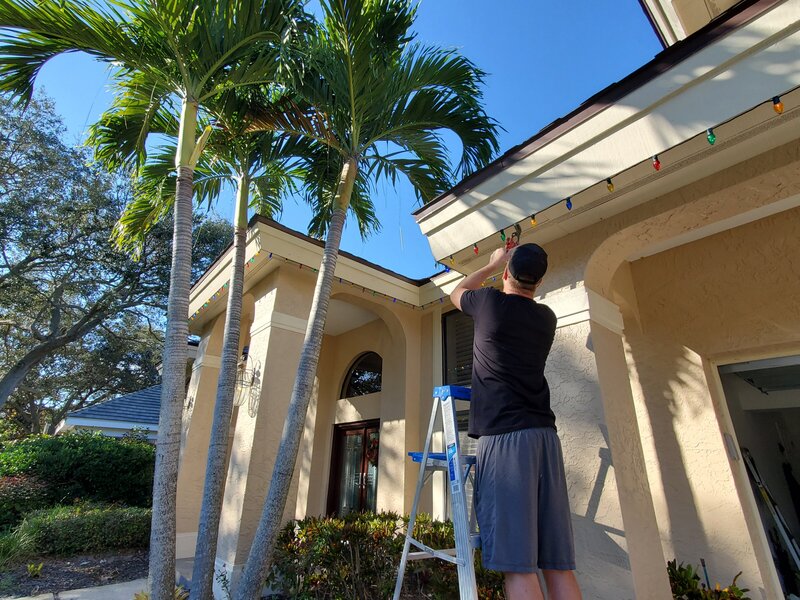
point(603, 563)
point(598, 536)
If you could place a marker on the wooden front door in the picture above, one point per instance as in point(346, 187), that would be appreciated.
point(353, 484)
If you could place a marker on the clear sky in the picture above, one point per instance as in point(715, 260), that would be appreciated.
point(543, 58)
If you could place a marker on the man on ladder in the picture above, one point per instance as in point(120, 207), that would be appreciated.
point(521, 495)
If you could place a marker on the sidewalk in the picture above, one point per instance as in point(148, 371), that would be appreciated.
point(117, 591)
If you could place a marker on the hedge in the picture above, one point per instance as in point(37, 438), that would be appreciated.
point(86, 528)
point(357, 556)
point(85, 466)
point(20, 494)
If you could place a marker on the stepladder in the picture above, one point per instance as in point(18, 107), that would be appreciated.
point(458, 470)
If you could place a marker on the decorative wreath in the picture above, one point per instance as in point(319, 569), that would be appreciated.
point(372, 451)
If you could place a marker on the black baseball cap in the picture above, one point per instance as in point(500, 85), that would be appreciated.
point(528, 263)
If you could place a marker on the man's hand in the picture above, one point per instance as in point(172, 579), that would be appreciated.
point(497, 262)
point(499, 258)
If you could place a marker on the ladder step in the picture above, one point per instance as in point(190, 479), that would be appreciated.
point(435, 457)
point(447, 554)
point(424, 555)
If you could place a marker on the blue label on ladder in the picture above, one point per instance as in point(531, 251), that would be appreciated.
point(451, 460)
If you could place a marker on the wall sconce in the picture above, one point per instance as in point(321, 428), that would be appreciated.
point(244, 378)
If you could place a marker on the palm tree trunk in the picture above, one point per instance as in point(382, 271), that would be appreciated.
point(205, 550)
point(267, 533)
point(173, 378)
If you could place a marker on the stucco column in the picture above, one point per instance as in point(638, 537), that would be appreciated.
point(197, 419)
point(648, 565)
point(275, 342)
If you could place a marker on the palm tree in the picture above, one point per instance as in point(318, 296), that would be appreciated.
point(365, 83)
point(163, 50)
point(263, 166)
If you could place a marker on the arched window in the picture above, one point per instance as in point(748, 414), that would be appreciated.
point(364, 376)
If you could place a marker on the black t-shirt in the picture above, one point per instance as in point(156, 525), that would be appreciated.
point(513, 336)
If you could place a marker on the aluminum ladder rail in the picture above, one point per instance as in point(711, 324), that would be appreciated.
point(458, 468)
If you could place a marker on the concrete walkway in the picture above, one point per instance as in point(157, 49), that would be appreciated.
point(117, 591)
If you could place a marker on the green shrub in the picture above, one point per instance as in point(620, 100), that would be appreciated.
point(685, 583)
point(84, 528)
point(85, 466)
point(20, 494)
point(357, 556)
point(14, 545)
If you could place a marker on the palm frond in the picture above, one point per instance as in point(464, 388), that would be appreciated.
point(319, 188)
point(140, 107)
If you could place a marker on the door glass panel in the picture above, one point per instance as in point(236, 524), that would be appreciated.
point(371, 479)
point(350, 485)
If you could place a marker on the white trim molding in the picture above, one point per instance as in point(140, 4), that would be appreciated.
point(207, 360)
point(279, 320)
point(573, 306)
point(185, 544)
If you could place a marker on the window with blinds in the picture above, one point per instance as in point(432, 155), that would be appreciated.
point(457, 331)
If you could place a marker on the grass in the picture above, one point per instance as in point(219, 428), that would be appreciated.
point(14, 545)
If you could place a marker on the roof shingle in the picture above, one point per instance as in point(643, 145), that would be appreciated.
point(137, 407)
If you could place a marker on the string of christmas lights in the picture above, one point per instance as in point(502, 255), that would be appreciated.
point(711, 137)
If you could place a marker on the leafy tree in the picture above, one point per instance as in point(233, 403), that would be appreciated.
point(377, 106)
point(104, 363)
point(164, 50)
point(79, 320)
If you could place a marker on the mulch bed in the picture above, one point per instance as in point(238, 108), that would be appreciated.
point(75, 572)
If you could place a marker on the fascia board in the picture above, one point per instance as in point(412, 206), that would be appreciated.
point(213, 280)
point(440, 287)
point(75, 422)
point(724, 79)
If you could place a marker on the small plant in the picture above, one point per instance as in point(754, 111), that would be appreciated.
point(34, 570)
point(685, 583)
point(180, 594)
point(224, 583)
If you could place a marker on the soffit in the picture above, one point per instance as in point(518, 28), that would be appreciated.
point(343, 317)
point(726, 85)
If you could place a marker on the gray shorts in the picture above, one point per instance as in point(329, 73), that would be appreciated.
point(521, 502)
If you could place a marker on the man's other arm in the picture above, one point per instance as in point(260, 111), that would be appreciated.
point(473, 281)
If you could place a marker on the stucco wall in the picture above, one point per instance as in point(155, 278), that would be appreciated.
point(739, 289)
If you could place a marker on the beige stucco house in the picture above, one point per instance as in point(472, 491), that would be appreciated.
point(677, 291)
